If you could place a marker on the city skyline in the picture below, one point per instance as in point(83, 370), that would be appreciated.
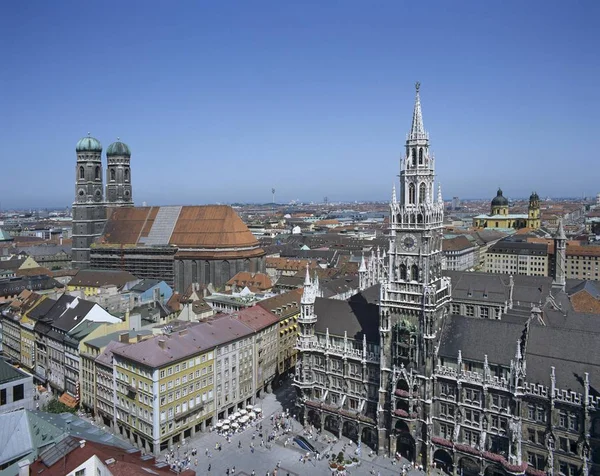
point(221, 105)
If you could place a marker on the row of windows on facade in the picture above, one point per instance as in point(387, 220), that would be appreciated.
point(97, 174)
point(185, 365)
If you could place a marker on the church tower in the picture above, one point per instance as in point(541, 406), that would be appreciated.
point(414, 294)
point(118, 175)
point(89, 212)
point(533, 215)
point(560, 257)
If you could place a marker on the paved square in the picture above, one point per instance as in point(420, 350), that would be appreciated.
point(265, 457)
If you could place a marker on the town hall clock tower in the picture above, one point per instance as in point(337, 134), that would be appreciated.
point(414, 297)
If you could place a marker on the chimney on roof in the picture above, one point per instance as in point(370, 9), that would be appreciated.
point(124, 337)
point(24, 467)
point(162, 343)
point(82, 443)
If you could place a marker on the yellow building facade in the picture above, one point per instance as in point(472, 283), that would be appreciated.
point(158, 407)
point(500, 217)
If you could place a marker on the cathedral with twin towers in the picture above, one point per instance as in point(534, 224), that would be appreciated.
point(464, 371)
point(93, 198)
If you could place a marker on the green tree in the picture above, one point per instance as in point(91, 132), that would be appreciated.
point(54, 406)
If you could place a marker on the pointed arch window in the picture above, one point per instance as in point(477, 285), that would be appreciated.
point(414, 272)
point(422, 192)
point(414, 156)
point(97, 173)
point(126, 175)
point(411, 193)
point(81, 172)
point(421, 156)
point(113, 175)
point(403, 272)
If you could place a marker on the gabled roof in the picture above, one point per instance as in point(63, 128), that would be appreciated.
point(145, 284)
point(458, 243)
point(256, 281)
point(546, 348)
point(476, 338)
point(210, 226)
point(96, 278)
point(191, 340)
point(74, 312)
point(8, 373)
point(356, 317)
point(283, 305)
point(256, 317)
point(72, 452)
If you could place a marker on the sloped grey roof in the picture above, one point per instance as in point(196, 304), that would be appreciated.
point(476, 338)
point(145, 284)
point(591, 287)
point(82, 429)
point(357, 317)
point(104, 340)
point(15, 438)
point(547, 347)
point(72, 316)
point(8, 373)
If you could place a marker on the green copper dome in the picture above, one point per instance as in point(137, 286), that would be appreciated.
point(499, 200)
point(88, 144)
point(118, 148)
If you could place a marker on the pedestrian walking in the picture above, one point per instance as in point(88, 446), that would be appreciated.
point(209, 466)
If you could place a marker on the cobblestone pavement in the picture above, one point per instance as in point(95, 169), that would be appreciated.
point(266, 458)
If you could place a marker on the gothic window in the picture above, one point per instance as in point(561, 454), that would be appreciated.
point(81, 173)
point(421, 156)
point(206, 272)
point(414, 157)
point(97, 173)
point(422, 193)
point(403, 272)
point(411, 194)
point(113, 174)
point(126, 175)
point(414, 272)
point(420, 218)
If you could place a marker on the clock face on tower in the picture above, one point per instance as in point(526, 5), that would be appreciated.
point(408, 242)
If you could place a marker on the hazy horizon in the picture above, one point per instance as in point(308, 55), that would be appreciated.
point(222, 102)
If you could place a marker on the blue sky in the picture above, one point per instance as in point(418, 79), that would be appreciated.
point(221, 101)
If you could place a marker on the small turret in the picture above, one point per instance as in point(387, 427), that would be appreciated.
point(560, 257)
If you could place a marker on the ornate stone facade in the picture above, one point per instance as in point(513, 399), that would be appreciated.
point(476, 373)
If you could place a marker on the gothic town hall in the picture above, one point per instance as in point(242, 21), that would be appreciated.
point(481, 374)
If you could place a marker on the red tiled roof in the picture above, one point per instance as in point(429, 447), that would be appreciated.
point(256, 317)
point(122, 463)
point(210, 226)
point(258, 281)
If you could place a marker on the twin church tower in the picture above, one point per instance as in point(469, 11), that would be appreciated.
point(93, 199)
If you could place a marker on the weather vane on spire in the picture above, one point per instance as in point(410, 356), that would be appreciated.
point(417, 86)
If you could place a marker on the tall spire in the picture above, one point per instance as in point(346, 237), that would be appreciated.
point(439, 197)
point(394, 194)
point(307, 279)
point(417, 130)
point(560, 233)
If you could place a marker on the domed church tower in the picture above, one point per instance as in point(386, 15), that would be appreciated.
point(118, 175)
point(500, 204)
point(89, 211)
point(533, 218)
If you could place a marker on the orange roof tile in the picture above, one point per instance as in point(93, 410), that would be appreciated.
point(259, 281)
point(209, 226)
